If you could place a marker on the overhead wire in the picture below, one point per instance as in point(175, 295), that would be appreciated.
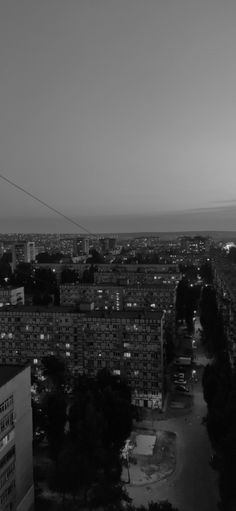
point(57, 211)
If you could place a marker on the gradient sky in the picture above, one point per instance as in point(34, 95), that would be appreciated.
point(119, 113)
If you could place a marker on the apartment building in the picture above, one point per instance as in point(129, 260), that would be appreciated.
point(16, 461)
point(130, 345)
point(23, 252)
point(12, 296)
point(127, 343)
point(158, 296)
point(225, 285)
point(118, 274)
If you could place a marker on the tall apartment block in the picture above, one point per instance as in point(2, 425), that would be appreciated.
point(81, 246)
point(225, 285)
point(127, 343)
point(23, 253)
point(16, 461)
point(157, 296)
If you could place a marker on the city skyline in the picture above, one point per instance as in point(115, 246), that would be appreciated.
point(120, 115)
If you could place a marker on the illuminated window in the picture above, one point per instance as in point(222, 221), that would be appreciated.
point(41, 336)
point(116, 371)
point(127, 354)
point(35, 361)
point(67, 345)
point(67, 353)
point(136, 373)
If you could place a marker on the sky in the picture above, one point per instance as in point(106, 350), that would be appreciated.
point(121, 114)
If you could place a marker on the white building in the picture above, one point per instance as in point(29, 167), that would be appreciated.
point(12, 296)
point(16, 460)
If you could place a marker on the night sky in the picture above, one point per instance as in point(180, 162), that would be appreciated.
point(119, 113)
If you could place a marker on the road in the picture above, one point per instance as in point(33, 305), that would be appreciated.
point(193, 486)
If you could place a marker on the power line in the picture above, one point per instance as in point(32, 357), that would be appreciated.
point(47, 205)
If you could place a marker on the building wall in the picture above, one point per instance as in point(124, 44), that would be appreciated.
point(13, 296)
point(89, 341)
point(20, 434)
point(157, 297)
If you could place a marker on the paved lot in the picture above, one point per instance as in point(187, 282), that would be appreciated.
point(193, 486)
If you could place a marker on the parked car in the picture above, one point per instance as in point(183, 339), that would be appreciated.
point(181, 388)
point(177, 376)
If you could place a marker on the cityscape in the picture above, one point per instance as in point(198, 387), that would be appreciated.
point(146, 319)
point(117, 255)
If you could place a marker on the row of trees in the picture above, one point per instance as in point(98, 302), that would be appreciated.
point(86, 435)
point(219, 388)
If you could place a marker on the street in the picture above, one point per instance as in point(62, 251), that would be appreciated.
point(193, 485)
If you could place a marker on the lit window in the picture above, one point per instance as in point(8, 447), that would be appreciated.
point(136, 373)
point(10, 335)
point(67, 345)
point(127, 354)
point(67, 353)
point(35, 361)
point(116, 371)
point(3, 335)
point(27, 328)
point(41, 336)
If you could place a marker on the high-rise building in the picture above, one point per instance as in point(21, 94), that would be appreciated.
point(23, 253)
point(30, 251)
point(16, 460)
point(81, 246)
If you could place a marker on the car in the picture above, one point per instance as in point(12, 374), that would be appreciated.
point(177, 376)
point(181, 388)
point(181, 382)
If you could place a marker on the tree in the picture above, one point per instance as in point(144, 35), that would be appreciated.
point(54, 406)
point(69, 276)
point(95, 257)
point(100, 420)
point(55, 369)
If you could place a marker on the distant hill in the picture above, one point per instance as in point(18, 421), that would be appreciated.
point(216, 235)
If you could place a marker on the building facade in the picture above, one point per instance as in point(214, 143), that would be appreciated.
point(12, 296)
point(23, 252)
point(158, 296)
point(127, 343)
point(16, 460)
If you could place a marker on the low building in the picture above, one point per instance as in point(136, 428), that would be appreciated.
point(12, 296)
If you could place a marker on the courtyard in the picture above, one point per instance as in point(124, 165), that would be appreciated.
point(149, 456)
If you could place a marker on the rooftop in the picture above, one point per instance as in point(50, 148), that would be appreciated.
point(8, 372)
point(24, 309)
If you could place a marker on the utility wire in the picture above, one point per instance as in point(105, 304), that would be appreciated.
point(47, 205)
